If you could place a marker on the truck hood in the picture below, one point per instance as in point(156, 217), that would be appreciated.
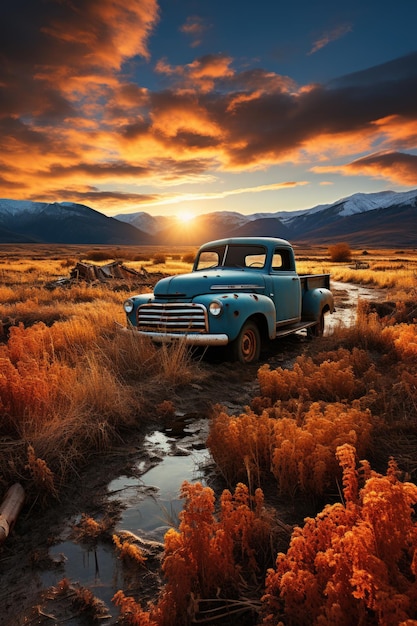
point(210, 281)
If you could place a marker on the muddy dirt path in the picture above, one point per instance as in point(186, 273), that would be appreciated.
point(148, 471)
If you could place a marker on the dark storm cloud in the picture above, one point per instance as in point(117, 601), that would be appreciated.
point(255, 115)
point(99, 170)
point(46, 44)
point(276, 123)
point(14, 130)
point(95, 196)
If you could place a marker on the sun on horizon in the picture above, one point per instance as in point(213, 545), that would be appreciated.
point(185, 216)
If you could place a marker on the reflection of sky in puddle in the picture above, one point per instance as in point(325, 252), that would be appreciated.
point(345, 316)
point(98, 569)
point(157, 510)
point(95, 569)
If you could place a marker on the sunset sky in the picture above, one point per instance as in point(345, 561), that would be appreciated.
point(194, 106)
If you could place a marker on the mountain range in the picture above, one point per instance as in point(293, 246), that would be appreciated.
point(385, 219)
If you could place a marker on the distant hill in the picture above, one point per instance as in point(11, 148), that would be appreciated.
point(387, 220)
point(63, 222)
point(393, 227)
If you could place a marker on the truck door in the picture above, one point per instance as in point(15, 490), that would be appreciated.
point(285, 287)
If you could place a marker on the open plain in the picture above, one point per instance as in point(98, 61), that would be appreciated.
point(78, 400)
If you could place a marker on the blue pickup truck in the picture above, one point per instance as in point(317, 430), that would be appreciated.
point(241, 292)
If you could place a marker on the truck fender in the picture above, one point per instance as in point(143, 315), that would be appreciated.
point(315, 302)
point(242, 306)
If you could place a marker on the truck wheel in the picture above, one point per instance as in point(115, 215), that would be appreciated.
point(318, 329)
point(246, 348)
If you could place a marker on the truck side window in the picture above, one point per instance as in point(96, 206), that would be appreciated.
point(207, 259)
point(281, 261)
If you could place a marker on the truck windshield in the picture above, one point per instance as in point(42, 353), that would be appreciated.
point(233, 255)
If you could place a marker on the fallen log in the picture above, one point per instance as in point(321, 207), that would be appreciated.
point(10, 509)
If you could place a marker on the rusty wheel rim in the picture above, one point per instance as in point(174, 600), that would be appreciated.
point(249, 345)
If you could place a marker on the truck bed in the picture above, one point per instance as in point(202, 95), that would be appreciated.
point(314, 281)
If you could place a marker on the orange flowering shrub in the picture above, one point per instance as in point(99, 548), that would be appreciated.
point(339, 375)
point(241, 445)
point(303, 457)
point(298, 451)
point(209, 556)
point(205, 558)
point(29, 390)
point(355, 563)
point(404, 337)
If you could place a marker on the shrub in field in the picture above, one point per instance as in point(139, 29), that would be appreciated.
point(404, 339)
point(159, 259)
point(294, 428)
point(297, 450)
point(356, 562)
point(102, 255)
point(208, 558)
point(338, 375)
point(340, 252)
point(241, 446)
point(63, 409)
point(188, 257)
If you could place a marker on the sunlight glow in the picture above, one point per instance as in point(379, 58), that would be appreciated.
point(185, 217)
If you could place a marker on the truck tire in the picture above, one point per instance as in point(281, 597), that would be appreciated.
point(246, 348)
point(318, 329)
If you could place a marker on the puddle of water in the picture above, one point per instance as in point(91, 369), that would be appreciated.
point(345, 313)
point(152, 505)
point(157, 511)
point(95, 569)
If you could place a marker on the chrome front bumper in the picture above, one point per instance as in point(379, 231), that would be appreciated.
point(191, 339)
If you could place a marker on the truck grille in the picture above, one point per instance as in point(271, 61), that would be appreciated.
point(172, 318)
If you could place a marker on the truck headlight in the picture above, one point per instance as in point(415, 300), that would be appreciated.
point(216, 308)
point(128, 306)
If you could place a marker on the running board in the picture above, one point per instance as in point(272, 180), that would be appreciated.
point(288, 330)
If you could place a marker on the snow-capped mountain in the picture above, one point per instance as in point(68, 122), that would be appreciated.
point(62, 222)
point(385, 219)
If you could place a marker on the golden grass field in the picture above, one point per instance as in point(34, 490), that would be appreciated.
point(70, 385)
point(64, 363)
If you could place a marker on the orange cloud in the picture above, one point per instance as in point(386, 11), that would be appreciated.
point(399, 168)
point(200, 74)
point(104, 32)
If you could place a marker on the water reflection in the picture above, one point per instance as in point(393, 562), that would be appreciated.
point(152, 504)
point(159, 507)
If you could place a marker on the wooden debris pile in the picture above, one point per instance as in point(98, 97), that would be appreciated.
point(116, 269)
point(121, 277)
